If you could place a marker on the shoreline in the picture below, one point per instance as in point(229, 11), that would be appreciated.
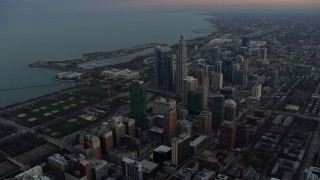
point(72, 64)
point(4, 107)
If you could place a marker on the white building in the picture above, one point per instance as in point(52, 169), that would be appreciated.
point(69, 75)
point(256, 91)
point(162, 106)
point(120, 74)
point(34, 173)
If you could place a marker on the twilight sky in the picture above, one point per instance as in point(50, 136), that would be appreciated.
point(64, 6)
point(205, 3)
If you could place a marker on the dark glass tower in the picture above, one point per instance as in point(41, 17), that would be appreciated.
point(159, 67)
point(216, 107)
point(138, 104)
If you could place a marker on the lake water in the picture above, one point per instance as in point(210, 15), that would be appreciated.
point(28, 37)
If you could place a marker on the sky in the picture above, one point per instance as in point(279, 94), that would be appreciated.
point(96, 5)
point(206, 3)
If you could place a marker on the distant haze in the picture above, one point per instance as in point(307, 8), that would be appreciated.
point(7, 6)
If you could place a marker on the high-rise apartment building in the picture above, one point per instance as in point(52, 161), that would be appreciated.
point(180, 149)
point(204, 122)
point(230, 109)
point(227, 135)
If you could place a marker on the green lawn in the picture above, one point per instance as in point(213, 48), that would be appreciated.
point(42, 111)
point(69, 126)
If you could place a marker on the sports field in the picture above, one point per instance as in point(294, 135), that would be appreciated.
point(69, 126)
point(37, 114)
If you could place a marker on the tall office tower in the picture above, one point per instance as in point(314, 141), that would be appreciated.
point(158, 67)
point(227, 70)
point(204, 122)
point(245, 42)
point(205, 92)
point(274, 78)
point(318, 52)
point(180, 149)
point(170, 126)
point(235, 69)
point(214, 54)
point(132, 169)
point(138, 104)
point(230, 110)
point(239, 78)
point(227, 135)
point(168, 73)
point(219, 66)
point(246, 66)
point(130, 126)
point(106, 138)
point(182, 69)
point(216, 81)
point(194, 102)
point(118, 129)
point(203, 85)
point(256, 91)
point(216, 107)
point(189, 84)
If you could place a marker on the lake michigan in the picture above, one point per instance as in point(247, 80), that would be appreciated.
point(28, 37)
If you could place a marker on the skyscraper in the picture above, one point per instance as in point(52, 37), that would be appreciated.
point(182, 61)
point(204, 122)
point(203, 85)
point(195, 102)
point(227, 135)
point(189, 84)
point(230, 109)
point(256, 91)
point(216, 81)
point(180, 149)
point(245, 42)
point(163, 68)
point(219, 66)
point(246, 66)
point(132, 169)
point(216, 107)
point(138, 104)
point(227, 70)
point(168, 73)
point(158, 67)
point(170, 126)
point(274, 78)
